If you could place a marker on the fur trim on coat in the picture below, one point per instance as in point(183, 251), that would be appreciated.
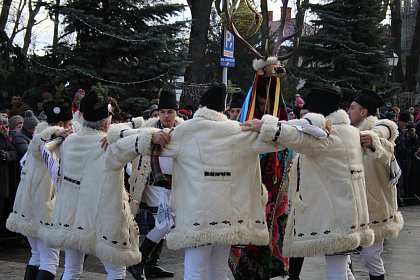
point(377, 150)
point(386, 129)
point(35, 196)
point(384, 218)
point(209, 114)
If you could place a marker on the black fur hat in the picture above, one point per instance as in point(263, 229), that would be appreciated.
point(58, 109)
point(237, 100)
point(323, 101)
point(95, 104)
point(369, 100)
point(214, 97)
point(167, 100)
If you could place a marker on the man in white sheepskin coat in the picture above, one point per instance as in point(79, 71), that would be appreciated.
point(92, 214)
point(378, 139)
point(217, 194)
point(35, 196)
point(329, 213)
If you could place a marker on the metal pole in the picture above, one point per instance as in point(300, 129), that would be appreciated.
point(224, 75)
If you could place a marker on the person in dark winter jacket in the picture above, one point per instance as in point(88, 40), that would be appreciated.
point(7, 157)
point(22, 138)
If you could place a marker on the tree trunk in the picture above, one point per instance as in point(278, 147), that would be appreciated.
point(280, 31)
point(396, 26)
point(200, 14)
point(300, 17)
point(56, 25)
point(265, 27)
point(412, 67)
point(19, 11)
point(33, 12)
point(5, 9)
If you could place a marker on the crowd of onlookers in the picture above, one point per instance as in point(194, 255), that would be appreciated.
point(18, 121)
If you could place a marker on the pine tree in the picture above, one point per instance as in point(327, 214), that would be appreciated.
point(120, 43)
point(347, 49)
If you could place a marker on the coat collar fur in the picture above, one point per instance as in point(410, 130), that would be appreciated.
point(209, 114)
point(339, 117)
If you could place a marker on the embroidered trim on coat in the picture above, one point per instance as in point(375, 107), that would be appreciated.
point(216, 174)
point(278, 132)
point(74, 181)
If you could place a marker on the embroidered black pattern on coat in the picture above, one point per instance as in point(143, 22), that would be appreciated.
point(216, 174)
point(122, 133)
point(278, 132)
point(136, 145)
point(74, 181)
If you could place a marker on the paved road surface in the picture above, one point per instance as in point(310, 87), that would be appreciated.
point(401, 257)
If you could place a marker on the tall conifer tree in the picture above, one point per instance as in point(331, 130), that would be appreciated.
point(348, 48)
point(120, 43)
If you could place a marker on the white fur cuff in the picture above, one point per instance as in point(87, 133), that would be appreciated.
point(137, 122)
point(145, 140)
point(386, 129)
point(269, 128)
point(377, 149)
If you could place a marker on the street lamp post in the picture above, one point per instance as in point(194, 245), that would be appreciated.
point(393, 62)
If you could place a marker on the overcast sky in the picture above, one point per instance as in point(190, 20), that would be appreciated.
point(43, 31)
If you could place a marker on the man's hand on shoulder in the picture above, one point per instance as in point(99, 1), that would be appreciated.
point(161, 138)
point(254, 125)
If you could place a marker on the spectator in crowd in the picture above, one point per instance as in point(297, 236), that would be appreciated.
point(146, 114)
point(4, 113)
point(5, 125)
point(190, 109)
point(17, 107)
point(406, 145)
point(8, 156)
point(22, 138)
point(154, 111)
point(126, 116)
point(235, 106)
point(39, 109)
point(291, 114)
point(15, 124)
point(115, 108)
point(299, 102)
point(303, 111)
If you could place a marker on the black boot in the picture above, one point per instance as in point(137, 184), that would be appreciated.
point(381, 277)
point(295, 267)
point(137, 270)
point(152, 269)
point(31, 272)
point(44, 275)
